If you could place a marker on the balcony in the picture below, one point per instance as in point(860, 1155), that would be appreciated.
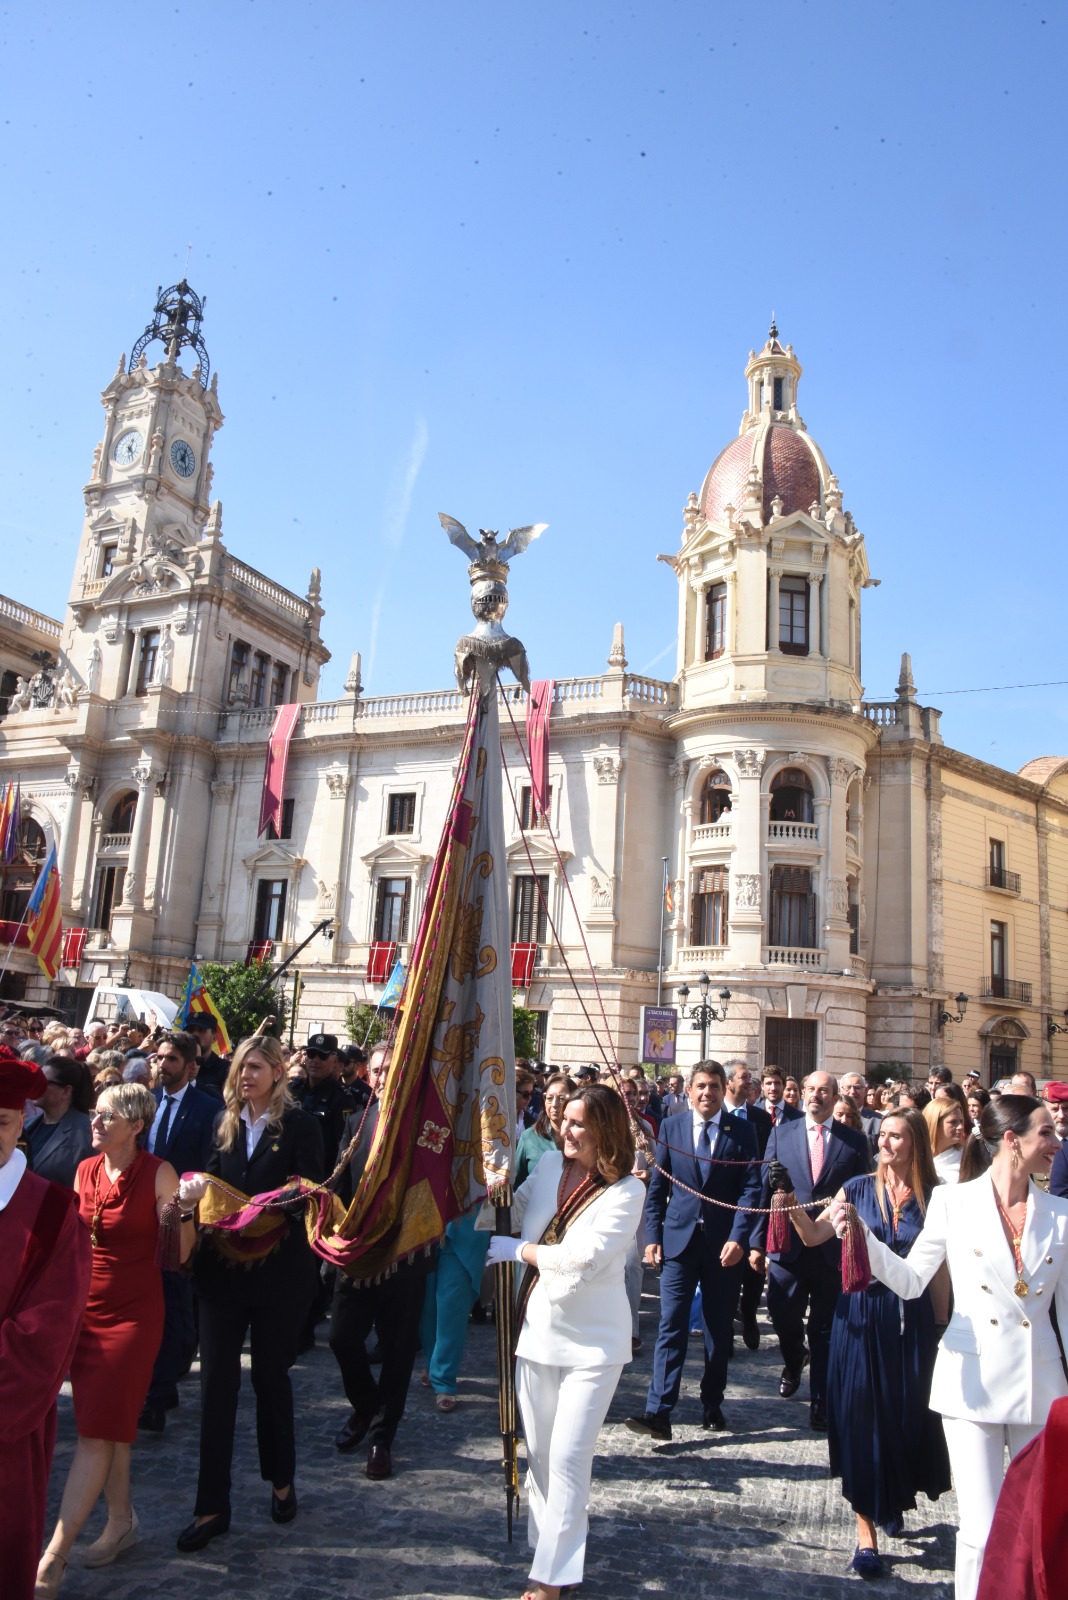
point(793, 833)
point(115, 844)
point(1010, 989)
point(712, 833)
point(782, 955)
point(1001, 878)
point(699, 956)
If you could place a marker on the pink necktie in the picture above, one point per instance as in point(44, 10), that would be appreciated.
point(816, 1150)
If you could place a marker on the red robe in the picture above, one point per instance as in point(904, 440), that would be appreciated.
point(1027, 1551)
point(45, 1264)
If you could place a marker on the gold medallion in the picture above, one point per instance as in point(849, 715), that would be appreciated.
point(1020, 1289)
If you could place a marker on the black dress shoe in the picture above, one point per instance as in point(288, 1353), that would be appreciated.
point(284, 1510)
point(354, 1432)
point(656, 1425)
point(152, 1419)
point(790, 1381)
point(750, 1333)
point(198, 1534)
point(714, 1419)
point(379, 1462)
point(819, 1416)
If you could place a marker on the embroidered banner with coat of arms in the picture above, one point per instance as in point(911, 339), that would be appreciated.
point(447, 1114)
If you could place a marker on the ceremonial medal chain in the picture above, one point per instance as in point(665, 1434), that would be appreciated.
point(99, 1205)
point(1019, 1287)
point(897, 1207)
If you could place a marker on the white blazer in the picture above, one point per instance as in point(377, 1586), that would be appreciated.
point(578, 1314)
point(999, 1360)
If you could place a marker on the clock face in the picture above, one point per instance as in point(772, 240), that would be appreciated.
point(129, 448)
point(183, 460)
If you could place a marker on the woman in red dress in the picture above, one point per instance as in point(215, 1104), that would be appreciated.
point(121, 1193)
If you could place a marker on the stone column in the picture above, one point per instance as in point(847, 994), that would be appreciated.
point(747, 862)
point(815, 642)
point(832, 818)
point(134, 887)
point(774, 574)
point(67, 854)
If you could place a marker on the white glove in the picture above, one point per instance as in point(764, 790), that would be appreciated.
point(191, 1189)
point(504, 1249)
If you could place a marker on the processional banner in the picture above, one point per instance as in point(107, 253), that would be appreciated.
point(447, 1115)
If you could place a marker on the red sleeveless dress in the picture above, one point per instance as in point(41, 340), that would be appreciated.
point(123, 1325)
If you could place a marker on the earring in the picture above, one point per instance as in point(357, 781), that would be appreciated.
point(1015, 1159)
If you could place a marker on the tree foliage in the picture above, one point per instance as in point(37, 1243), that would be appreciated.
point(365, 1025)
point(524, 1033)
point(232, 988)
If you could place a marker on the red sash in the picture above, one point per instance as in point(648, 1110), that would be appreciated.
point(576, 1203)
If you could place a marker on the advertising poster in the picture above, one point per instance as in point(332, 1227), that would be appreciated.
point(659, 1027)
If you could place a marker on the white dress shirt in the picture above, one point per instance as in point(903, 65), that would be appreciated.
point(175, 1100)
point(255, 1128)
point(713, 1129)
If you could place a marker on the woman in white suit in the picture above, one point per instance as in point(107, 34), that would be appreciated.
point(999, 1366)
point(577, 1213)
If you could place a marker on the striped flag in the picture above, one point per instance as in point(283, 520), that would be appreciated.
point(44, 918)
point(197, 998)
point(10, 821)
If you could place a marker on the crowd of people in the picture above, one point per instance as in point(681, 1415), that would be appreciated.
point(945, 1361)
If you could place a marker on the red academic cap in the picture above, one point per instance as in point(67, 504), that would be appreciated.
point(1056, 1091)
point(19, 1081)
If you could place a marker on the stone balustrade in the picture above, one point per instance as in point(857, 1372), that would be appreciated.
point(793, 833)
point(26, 617)
point(711, 833)
point(781, 955)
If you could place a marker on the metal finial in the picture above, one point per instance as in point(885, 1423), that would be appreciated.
point(176, 319)
point(773, 332)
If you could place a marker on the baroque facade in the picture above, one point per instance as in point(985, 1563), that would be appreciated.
point(832, 862)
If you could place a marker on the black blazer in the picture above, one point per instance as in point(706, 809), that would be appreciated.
point(60, 1157)
point(847, 1156)
point(295, 1150)
point(789, 1113)
point(1058, 1176)
point(189, 1141)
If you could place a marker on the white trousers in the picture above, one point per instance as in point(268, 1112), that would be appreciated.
point(633, 1280)
point(562, 1410)
point(977, 1456)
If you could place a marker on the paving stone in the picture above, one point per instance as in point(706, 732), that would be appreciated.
point(731, 1515)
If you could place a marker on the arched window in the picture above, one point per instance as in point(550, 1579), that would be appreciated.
point(122, 813)
point(791, 796)
point(17, 877)
point(715, 796)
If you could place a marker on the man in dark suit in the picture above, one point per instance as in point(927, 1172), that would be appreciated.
point(392, 1306)
point(772, 1084)
point(181, 1134)
point(1056, 1097)
point(211, 1066)
point(323, 1095)
point(740, 1083)
point(854, 1086)
point(817, 1156)
point(696, 1243)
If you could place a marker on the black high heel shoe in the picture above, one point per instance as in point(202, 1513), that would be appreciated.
point(198, 1534)
point(284, 1510)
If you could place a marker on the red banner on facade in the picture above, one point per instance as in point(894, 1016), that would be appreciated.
point(539, 709)
point(274, 771)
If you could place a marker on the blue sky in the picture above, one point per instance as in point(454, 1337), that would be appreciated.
point(507, 261)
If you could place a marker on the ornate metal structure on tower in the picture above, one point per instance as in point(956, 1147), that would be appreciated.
point(483, 652)
point(176, 320)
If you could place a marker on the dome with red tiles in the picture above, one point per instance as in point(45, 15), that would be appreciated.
point(789, 467)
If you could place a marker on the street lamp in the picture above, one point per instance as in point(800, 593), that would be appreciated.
point(1056, 1027)
point(945, 1016)
point(702, 1013)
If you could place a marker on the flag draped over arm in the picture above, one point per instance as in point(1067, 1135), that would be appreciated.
point(44, 918)
point(447, 1118)
point(197, 998)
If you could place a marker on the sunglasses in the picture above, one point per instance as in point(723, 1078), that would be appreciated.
point(318, 1055)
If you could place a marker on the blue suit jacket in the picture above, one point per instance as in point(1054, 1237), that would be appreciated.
point(1058, 1176)
point(189, 1137)
point(848, 1156)
point(671, 1214)
point(789, 1113)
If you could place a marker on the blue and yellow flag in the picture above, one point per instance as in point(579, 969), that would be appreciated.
point(197, 998)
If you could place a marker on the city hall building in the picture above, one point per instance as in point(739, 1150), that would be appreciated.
point(832, 862)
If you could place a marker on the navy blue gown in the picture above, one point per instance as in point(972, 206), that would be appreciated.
point(886, 1444)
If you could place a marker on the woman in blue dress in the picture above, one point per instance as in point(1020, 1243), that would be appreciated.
point(886, 1444)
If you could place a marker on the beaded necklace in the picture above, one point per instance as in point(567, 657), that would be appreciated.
point(100, 1204)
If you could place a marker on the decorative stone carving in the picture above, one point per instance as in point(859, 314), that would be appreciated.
point(817, 553)
point(747, 887)
point(327, 896)
point(841, 770)
point(354, 681)
point(222, 791)
point(678, 919)
point(94, 667)
point(777, 506)
point(601, 893)
point(750, 763)
point(164, 668)
point(338, 783)
point(677, 772)
point(607, 768)
point(315, 584)
point(22, 699)
point(155, 453)
point(616, 658)
point(796, 758)
point(66, 692)
point(778, 550)
point(691, 515)
point(838, 893)
point(80, 784)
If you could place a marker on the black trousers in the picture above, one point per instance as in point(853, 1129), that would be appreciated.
point(273, 1331)
point(809, 1282)
point(394, 1308)
point(752, 1289)
point(179, 1340)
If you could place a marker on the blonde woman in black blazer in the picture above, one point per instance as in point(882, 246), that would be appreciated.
point(262, 1141)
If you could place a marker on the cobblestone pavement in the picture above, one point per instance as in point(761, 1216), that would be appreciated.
point(751, 1512)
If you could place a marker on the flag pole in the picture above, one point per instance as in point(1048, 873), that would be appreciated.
point(663, 920)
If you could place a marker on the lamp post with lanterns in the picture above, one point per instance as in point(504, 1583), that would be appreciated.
point(701, 1013)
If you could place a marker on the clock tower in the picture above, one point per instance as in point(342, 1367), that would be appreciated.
point(148, 499)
